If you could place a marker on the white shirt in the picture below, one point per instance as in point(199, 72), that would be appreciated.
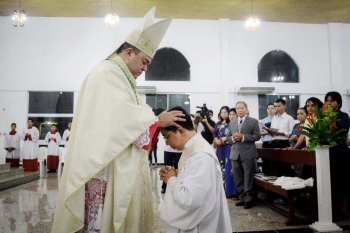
point(15, 142)
point(30, 147)
point(199, 181)
point(66, 134)
point(283, 123)
point(52, 145)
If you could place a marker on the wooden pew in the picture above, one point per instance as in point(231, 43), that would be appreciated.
point(293, 157)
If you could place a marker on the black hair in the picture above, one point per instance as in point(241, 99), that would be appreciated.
point(228, 110)
point(233, 110)
point(303, 108)
point(316, 101)
point(184, 124)
point(335, 97)
point(53, 125)
point(14, 124)
point(125, 46)
point(211, 111)
point(270, 104)
point(280, 100)
point(30, 119)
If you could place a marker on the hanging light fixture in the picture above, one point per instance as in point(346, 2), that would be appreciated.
point(19, 16)
point(111, 19)
point(253, 21)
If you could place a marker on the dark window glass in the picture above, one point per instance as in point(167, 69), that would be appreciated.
point(182, 100)
point(277, 66)
point(51, 102)
point(158, 103)
point(161, 102)
point(44, 124)
point(292, 104)
point(168, 64)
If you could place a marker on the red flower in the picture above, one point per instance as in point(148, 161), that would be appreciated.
point(332, 125)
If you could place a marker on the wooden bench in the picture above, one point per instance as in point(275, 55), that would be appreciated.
point(293, 157)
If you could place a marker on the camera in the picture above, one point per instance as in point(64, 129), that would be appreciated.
point(204, 111)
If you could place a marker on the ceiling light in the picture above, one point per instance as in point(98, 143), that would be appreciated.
point(253, 21)
point(111, 19)
point(19, 16)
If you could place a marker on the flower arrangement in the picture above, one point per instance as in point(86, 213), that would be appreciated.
point(322, 129)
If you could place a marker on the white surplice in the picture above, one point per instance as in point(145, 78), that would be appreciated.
point(30, 147)
point(66, 134)
point(52, 145)
point(13, 141)
point(195, 200)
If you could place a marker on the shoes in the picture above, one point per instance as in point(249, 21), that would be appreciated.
point(163, 191)
point(240, 203)
point(248, 205)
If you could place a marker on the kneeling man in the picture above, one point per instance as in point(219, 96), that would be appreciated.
point(195, 199)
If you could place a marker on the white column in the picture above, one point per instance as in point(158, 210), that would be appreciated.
point(324, 198)
point(224, 47)
point(335, 57)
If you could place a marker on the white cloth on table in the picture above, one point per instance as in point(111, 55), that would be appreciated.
point(289, 183)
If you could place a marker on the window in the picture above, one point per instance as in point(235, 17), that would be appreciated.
point(277, 66)
point(51, 102)
point(168, 64)
point(161, 102)
point(47, 108)
point(44, 124)
point(292, 104)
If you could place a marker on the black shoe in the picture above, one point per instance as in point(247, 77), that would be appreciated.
point(248, 205)
point(240, 203)
point(163, 191)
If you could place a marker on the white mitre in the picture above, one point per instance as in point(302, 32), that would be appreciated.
point(148, 34)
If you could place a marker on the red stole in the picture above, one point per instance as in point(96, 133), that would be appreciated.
point(12, 132)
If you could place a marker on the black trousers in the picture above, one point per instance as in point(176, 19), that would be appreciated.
point(171, 159)
point(154, 153)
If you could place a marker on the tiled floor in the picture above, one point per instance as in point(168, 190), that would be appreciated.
point(30, 208)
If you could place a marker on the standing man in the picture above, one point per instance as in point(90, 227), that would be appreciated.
point(53, 139)
point(30, 152)
point(266, 138)
point(106, 186)
point(244, 131)
point(195, 200)
point(66, 135)
point(12, 146)
point(285, 124)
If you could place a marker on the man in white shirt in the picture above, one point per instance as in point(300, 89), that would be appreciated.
point(30, 136)
point(284, 123)
point(195, 200)
point(12, 146)
point(66, 135)
point(53, 139)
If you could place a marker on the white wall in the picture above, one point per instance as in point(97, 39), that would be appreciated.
point(57, 53)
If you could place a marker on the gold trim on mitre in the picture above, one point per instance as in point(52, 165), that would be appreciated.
point(148, 34)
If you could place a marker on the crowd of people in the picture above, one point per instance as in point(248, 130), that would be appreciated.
point(30, 150)
point(235, 134)
point(105, 186)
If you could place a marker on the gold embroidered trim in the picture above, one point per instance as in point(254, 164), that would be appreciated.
point(142, 42)
point(120, 62)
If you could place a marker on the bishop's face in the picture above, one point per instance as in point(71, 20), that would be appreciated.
point(137, 62)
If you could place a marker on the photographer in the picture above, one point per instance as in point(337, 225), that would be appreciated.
point(207, 122)
point(197, 122)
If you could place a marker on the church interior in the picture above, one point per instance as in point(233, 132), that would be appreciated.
point(214, 53)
